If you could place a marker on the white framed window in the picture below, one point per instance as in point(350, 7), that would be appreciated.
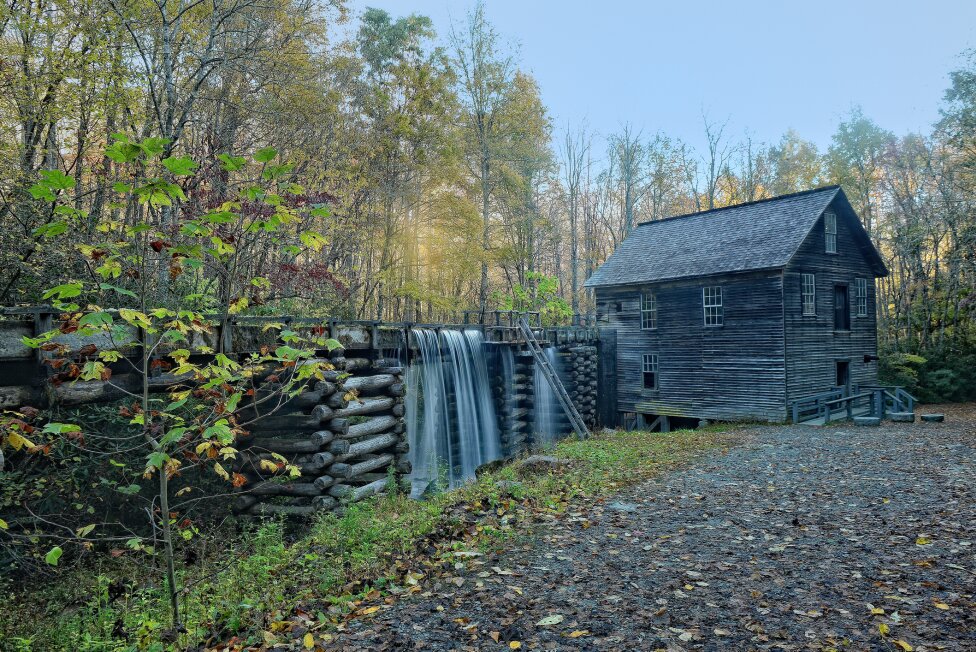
point(861, 296)
point(830, 233)
point(648, 311)
point(809, 294)
point(712, 306)
point(649, 370)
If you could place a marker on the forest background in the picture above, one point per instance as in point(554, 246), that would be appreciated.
point(447, 186)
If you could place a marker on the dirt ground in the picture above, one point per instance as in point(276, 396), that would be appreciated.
point(801, 538)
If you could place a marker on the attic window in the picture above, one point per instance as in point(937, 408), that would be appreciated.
point(830, 233)
point(648, 311)
point(712, 305)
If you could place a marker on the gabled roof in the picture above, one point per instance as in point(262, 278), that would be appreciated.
point(758, 235)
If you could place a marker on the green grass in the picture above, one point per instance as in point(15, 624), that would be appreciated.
point(255, 580)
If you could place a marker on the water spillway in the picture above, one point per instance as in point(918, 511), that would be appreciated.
point(549, 422)
point(452, 427)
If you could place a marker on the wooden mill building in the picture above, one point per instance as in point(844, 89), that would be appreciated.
point(736, 312)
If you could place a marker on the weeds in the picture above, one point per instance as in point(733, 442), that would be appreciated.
point(377, 545)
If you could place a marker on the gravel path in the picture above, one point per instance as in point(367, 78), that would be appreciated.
point(800, 539)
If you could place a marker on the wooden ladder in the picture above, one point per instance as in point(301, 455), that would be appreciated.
point(557, 387)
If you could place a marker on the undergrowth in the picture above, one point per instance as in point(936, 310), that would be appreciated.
point(245, 591)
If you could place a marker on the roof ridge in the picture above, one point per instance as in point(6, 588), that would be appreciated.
point(748, 203)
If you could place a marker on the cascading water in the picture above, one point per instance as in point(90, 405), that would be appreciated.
point(548, 420)
point(451, 423)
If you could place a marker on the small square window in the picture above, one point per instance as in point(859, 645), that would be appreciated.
point(649, 370)
point(830, 232)
point(861, 296)
point(809, 294)
point(648, 311)
point(712, 306)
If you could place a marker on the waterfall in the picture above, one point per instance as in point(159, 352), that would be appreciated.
point(548, 421)
point(451, 424)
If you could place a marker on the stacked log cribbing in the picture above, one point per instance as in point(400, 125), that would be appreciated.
point(581, 372)
point(345, 435)
point(515, 420)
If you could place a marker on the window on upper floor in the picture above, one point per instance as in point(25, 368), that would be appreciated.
point(649, 370)
point(712, 306)
point(830, 233)
point(648, 311)
point(861, 296)
point(809, 294)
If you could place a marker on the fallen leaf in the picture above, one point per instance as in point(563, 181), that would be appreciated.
point(308, 641)
point(576, 633)
point(904, 646)
point(514, 645)
point(555, 619)
point(369, 610)
point(883, 629)
point(494, 635)
point(941, 605)
point(922, 540)
point(501, 571)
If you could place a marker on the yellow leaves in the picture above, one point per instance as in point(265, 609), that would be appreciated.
point(18, 441)
point(903, 645)
point(3, 525)
point(577, 633)
point(237, 305)
point(135, 317)
point(368, 611)
point(922, 540)
point(876, 611)
point(514, 645)
point(203, 447)
point(883, 629)
point(269, 466)
point(308, 641)
point(227, 452)
point(940, 605)
point(221, 471)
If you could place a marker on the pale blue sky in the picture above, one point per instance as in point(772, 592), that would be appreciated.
point(766, 65)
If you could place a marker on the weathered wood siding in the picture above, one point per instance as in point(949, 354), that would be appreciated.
point(733, 372)
point(812, 344)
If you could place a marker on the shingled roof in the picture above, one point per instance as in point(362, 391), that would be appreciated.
point(763, 234)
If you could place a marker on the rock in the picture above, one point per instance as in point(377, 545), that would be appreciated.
point(542, 464)
point(619, 506)
point(867, 421)
point(933, 418)
point(902, 417)
point(508, 486)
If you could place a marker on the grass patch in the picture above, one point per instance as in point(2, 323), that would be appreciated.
point(251, 584)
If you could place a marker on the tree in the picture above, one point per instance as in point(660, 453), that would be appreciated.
point(135, 324)
point(486, 73)
point(628, 151)
point(855, 160)
point(575, 156)
point(796, 165)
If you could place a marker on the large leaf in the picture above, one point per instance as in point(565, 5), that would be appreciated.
point(265, 154)
point(53, 555)
point(180, 166)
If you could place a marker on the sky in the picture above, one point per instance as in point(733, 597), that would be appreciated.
point(763, 66)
